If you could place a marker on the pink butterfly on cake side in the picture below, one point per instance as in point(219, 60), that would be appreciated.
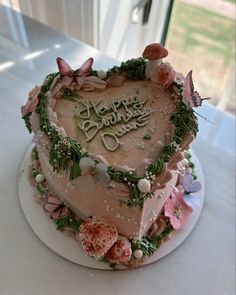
point(191, 98)
point(55, 207)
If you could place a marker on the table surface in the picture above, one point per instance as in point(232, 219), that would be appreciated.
point(203, 264)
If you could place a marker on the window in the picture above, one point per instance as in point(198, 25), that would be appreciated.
point(201, 36)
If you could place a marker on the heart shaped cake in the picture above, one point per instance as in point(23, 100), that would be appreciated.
point(111, 160)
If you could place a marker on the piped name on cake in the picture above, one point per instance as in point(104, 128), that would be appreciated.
point(127, 112)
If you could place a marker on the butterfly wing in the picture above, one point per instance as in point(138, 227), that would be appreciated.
point(191, 201)
point(196, 98)
point(61, 211)
point(63, 67)
point(51, 203)
point(189, 185)
point(187, 181)
point(85, 68)
point(195, 187)
point(190, 97)
point(188, 89)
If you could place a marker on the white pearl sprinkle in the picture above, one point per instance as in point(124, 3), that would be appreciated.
point(101, 74)
point(144, 185)
point(138, 253)
point(185, 162)
point(39, 178)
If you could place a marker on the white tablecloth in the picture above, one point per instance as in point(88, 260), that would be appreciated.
point(203, 264)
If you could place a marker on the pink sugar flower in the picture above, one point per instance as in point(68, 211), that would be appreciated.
point(32, 101)
point(97, 235)
point(164, 74)
point(120, 252)
point(177, 210)
point(77, 76)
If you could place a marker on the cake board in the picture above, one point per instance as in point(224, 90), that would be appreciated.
point(70, 249)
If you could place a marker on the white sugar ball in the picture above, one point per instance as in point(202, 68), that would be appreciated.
point(39, 178)
point(86, 164)
point(144, 185)
point(185, 162)
point(138, 253)
point(101, 74)
point(102, 177)
point(100, 167)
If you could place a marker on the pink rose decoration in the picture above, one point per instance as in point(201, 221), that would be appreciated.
point(120, 252)
point(97, 235)
point(32, 101)
point(163, 74)
point(176, 209)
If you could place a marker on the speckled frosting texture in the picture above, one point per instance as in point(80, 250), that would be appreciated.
point(86, 196)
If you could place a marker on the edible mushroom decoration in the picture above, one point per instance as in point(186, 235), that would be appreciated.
point(154, 53)
point(120, 252)
point(97, 235)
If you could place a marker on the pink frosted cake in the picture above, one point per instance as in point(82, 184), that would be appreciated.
point(111, 160)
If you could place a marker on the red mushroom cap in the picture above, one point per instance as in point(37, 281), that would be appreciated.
point(120, 252)
point(97, 235)
point(155, 51)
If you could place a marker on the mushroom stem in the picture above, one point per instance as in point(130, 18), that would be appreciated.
point(151, 64)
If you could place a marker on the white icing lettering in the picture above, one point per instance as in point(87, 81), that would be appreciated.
point(129, 111)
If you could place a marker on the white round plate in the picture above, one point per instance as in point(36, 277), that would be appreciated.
point(68, 247)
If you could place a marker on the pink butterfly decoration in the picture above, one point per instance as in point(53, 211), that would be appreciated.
point(55, 207)
point(77, 75)
point(191, 98)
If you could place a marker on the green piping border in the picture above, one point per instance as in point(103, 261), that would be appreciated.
point(184, 120)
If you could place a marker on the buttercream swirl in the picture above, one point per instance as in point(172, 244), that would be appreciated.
point(169, 149)
point(156, 167)
point(177, 139)
point(116, 175)
point(132, 177)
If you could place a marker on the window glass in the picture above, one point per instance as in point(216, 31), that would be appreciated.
point(201, 37)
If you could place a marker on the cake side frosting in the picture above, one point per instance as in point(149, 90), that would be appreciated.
point(114, 143)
